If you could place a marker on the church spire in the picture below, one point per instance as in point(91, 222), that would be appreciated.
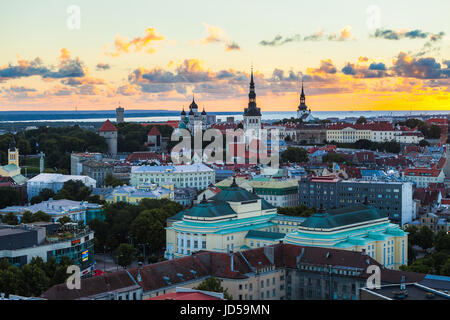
point(252, 94)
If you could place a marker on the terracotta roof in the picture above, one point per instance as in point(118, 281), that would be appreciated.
point(422, 172)
point(154, 131)
point(108, 126)
point(375, 126)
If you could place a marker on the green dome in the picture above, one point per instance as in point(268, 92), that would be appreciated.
point(182, 125)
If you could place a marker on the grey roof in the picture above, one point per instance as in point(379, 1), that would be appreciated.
point(343, 216)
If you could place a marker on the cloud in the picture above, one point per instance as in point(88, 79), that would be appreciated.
point(103, 66)
point(144, 43)
point(216, 35)
point(423, 68)
point(278, 40)
point(390, 34)
point(67, 68)
point(232, 46)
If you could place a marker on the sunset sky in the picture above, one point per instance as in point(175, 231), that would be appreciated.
point(153, 54)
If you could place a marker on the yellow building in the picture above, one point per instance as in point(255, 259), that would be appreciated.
point(12, 169)
point(133, 195)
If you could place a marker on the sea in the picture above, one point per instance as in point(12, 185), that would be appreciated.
point(164, 115)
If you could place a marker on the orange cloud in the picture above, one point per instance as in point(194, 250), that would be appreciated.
point(145, 43)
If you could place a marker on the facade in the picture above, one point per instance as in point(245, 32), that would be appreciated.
point(422, 177)
point(277, 272)
point(252, 116)
point(154, 139)
point(279, 193)
point(236, 219)
point(12, 169)
point(133, 195)
point(389, 197)
point(194, 119)
point(97, 170)
point(120, 115)
point(75, 210)
point(54, 182)
point(110, 133)
point(374, 131)
point(19, 244)
point(77, 159)
point(311, 133)
point(185, 196)
point(358, 228)
point(198, 176)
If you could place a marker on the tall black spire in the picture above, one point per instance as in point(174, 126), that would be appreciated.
point(302, 106)
point(252, 110)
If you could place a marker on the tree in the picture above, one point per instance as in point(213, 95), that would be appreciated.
point(298, 211)
point(63, 220)
point(293, 154)
point(425, 238)
point(442, 242)
point(73, 190)
point(10, 218)
point(361, 120)
point(125, 255)
point(424, 143)
point(213, 284)
point(44, 195)
point(333, 157)
point(112, 181)
point(41, 216)
point(445, 270)
point(363, 144)
point(9, 197)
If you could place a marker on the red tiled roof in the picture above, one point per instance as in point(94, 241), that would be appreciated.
point(143, 156)
point(445, 202)
point(374, 126)
point(154, 131)
point(422, 172)
point(108, 126)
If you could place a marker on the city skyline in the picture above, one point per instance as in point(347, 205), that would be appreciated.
point(149, 56)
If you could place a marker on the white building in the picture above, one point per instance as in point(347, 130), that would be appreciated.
point(54, 182)
point(198, 175)
point(423, 176)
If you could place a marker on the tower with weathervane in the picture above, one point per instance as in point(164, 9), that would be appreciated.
point(252, 115)
point(303, 112)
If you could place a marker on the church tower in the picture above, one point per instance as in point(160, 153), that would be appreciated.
point(13, 153)
point(252, 115)
point(303, 112)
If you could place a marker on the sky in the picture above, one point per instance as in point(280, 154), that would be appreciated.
point(153, 54)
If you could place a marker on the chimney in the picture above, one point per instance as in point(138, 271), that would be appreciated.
point(269, 253)
point(139, 277)
point(232, 260)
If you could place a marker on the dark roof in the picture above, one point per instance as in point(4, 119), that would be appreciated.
point(343, 216)
point(252, 110)
point(265, 235)
point(414, 292)
point(234, 193)
point(210, 210)
point(91, 286)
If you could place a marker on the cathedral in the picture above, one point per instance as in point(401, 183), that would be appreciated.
point(193, 118)
point(303, 112)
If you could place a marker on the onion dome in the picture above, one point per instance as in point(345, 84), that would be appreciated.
point(183, 113)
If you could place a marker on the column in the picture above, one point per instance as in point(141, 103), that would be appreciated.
point(178, 242)
point(199, 242)
point(192, 242)
point(184, 244)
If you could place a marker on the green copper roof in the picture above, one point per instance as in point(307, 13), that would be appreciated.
point(256, 234)
point(341, 217)
point(266, 206)
point(234, 194)
point(10, 167)
point(209, 210)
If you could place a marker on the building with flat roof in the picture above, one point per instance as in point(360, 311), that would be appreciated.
point(75, 210)
point(198, 176)
point(406, 291)
point(54, 182)
point(97, 170)
point(133, 195)
point(393, 198)
point(20, 244)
